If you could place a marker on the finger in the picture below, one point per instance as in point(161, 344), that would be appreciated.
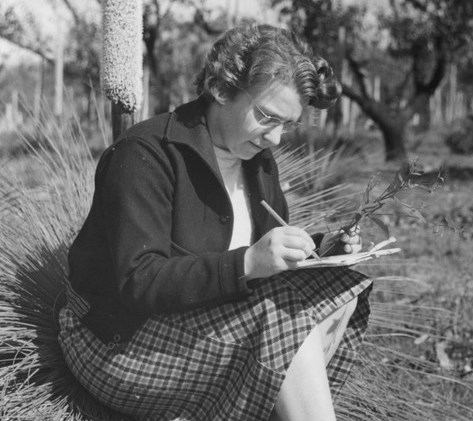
point(347, 248)
point(291, 255)
point(353, 240)
point(290, 264)
point(344, 238)
point(299, 233)
point(298, 243)
point(356, 248)
point(354, 230)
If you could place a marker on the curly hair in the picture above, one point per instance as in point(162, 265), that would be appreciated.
point(255, 56)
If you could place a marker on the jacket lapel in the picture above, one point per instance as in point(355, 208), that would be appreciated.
point(187, 126)
point(257, 172)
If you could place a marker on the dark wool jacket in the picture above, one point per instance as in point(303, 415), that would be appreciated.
point(157, 235)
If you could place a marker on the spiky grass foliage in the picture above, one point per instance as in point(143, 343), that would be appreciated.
point(391, 381)
point(307, 181)
point(372, 395)
point(38, 220)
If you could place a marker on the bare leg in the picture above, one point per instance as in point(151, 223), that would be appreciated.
point(305, 393)
point(333, 328)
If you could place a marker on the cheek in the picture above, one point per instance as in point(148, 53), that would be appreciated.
point(248, 121)
point(241, 129)
point(250, 127)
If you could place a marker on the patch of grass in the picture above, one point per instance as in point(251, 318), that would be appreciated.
point(44, 198)
point(430, 332)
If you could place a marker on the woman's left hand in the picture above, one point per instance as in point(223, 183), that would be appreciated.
point(351, 240)
point(341, 242)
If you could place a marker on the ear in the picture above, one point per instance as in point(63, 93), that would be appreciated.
point(221, 98)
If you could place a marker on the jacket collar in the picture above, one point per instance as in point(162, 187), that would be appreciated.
point(188, 126)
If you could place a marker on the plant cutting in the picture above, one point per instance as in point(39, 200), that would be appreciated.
point(407, 177)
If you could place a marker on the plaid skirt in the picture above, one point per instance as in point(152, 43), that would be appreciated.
point(223, 363)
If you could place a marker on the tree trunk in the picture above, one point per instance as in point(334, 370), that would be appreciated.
point(121, 120)
point(423, 110)
point(394, 135)
point(146, 80)
point(59, 71)
point(38, 90)
point(392, 127)
point(163, 94)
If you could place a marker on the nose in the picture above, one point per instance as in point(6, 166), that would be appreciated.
point(273, 135)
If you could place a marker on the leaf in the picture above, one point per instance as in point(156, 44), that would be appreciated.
point(381, 225)
point(416, 214)
point(372, 183)
point(410, 210)
point(366, 196)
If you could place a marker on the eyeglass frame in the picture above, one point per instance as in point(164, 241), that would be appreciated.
point(272, 120)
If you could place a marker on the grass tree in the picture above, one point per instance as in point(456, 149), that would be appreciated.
point(122, 65)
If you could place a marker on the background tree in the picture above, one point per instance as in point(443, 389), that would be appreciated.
point(174, 47)
point(83, 49)
point(431, 35)
point(122, 60)
point(21, 27)
point(176, 35)
point(74, 53)
point(421, 39)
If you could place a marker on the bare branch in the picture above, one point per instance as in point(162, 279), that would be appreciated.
point(418, 5)
point(23, 31)
point(166, 13)
point(401, 88)
point(359, 75)
point(151, 31)
point(373, 109)
point(201, 22)
point(73, 11)
point(48, 56)
point(440, 67)
point(353, 95)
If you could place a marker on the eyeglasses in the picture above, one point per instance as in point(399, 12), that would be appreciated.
point(273, 121)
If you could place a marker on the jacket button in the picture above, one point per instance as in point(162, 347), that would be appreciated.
point(224, 219)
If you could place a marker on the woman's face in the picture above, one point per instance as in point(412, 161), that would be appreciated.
point(240, 123)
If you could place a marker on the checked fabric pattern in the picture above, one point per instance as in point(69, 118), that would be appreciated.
point(220, 363)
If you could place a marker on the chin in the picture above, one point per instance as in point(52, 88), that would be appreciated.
point(247, 151)
point(247, 155)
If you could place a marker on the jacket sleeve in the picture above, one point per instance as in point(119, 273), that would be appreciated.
point(135, 186)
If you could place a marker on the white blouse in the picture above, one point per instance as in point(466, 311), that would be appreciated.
point(232, 174)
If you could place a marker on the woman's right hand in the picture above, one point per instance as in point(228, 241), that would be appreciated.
point(278, 250)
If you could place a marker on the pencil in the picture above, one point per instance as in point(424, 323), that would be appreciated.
point(283, 223)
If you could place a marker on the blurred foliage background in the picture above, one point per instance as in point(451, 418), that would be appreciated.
point(405, 64)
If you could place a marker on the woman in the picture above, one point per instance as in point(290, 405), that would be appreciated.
point(182, 304)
